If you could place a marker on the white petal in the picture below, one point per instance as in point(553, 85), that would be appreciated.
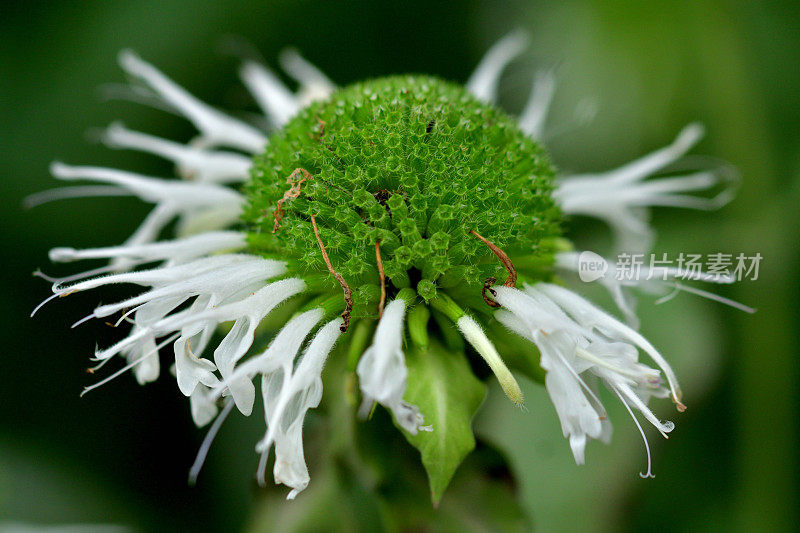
point(314, 85)
point(533, 117)
point(287, 398)
point(179, 250)
point(216, 127)
point(179, 193)
point(382, 370)
point(578, 417)
point(290, 462)
point(191, 370)
point(474, 334)
point(271, 94)
point(148, 368)
point(203, 409)
point(192, 161)
point(483, 82)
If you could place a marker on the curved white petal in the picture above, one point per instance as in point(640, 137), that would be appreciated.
point(484, 80)
point(382, 370)
point(216, 127)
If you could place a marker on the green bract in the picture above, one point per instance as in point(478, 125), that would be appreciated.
point(415, 163)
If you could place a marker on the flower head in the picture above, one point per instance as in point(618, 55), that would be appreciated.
point(373, 217)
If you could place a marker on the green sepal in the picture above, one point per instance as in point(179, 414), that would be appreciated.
point(453, 339)
point(330, 304)
point(407, 294)
point(445, 305)
point(359, 340)
point(441, 384)
point(418, 325)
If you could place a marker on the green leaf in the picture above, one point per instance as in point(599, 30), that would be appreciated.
point(442, 385)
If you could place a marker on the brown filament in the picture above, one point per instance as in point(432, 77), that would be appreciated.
point(511, 280)
point(348, 295)
point(293, 192)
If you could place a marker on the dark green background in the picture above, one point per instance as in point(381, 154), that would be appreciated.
point(121, 454)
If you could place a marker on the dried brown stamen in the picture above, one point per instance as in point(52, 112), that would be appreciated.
point(293, 192)
point(511, 280)
point(348, 295)
point(382, 276)
point(487, 287)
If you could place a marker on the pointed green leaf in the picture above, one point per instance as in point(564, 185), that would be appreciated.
point(442, 385)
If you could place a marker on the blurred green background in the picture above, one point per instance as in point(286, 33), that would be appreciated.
point(120, 455)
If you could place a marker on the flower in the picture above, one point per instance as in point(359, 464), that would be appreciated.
point(621, 196)
point(382, 371)
point(661, 280)
point(408, 189)
point(578, 342)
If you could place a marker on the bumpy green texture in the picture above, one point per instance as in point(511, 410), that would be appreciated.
point(415, 163)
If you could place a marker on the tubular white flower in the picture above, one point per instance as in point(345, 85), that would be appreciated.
point(226, 288)
point(486, 77)
point(382, 370)
point(175, 251)
point(534, 115)
point(592, 318)
point(193, 162)
point(200, 206)
point(274, 98)
point(216, 128)
point(201, 276)
point(288, 395)
point(314, 84)
point(474, 334)
point(620, 197)
point(179, 195)
point(275, 364)
point(281, 352)
point(246, 313)
point(271, 94)
point(579, 344)
point(662, 281)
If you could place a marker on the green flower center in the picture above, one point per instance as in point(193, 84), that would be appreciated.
point(416, 164)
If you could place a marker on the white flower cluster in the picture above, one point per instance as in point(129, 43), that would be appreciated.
point(205, 278)
point(579, 345)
